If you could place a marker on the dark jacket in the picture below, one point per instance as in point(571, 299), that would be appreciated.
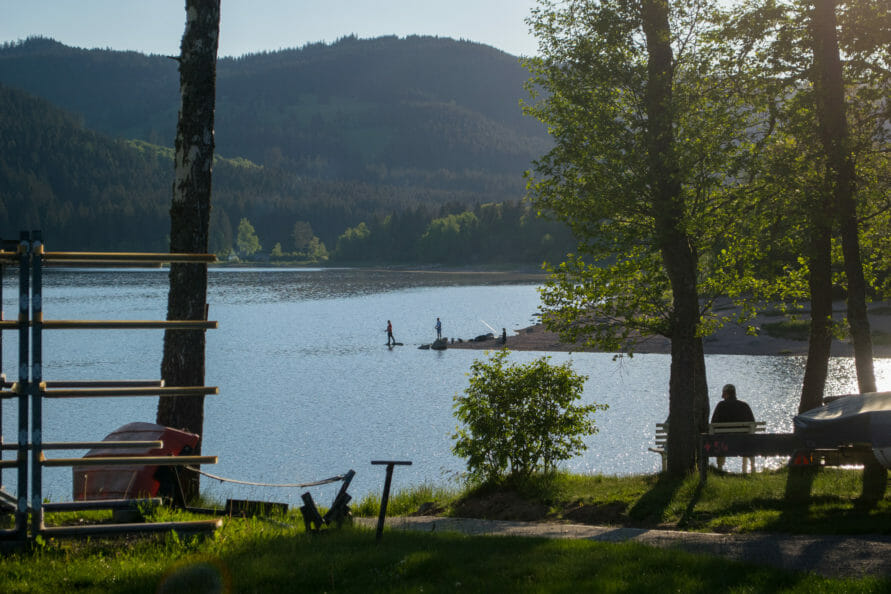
point(729, 411)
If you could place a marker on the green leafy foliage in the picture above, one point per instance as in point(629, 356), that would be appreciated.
point(600, 177)
point(521, 418)
point(248, 243)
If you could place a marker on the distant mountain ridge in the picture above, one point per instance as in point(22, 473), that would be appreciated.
point(385, 110)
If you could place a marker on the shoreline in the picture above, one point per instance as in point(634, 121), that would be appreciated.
point(731, 339)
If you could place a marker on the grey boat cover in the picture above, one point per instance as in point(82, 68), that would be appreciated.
point(856, 418)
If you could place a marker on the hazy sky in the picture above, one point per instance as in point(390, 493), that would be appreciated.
point(156, 26)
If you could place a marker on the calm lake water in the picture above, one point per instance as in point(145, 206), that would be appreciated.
point(308, 388)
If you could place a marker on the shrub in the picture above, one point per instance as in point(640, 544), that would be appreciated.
point(789, 329)
point(519, 419)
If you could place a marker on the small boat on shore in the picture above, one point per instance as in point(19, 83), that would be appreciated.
point(131, 482)
point(851, 419)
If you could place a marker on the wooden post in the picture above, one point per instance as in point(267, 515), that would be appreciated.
point(311, 516)
point(385, 498)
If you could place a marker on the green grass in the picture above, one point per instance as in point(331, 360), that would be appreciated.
point(256, 556)
point(800, 330)
point(881, 338)
point(789, 329)
point(277, 555)
point(251, 556)
point(765, 502)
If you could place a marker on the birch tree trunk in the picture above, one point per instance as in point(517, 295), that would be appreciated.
point(183, 361)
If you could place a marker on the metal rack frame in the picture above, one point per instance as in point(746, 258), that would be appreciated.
point(30, 389)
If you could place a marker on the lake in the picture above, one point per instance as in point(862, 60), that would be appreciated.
point(308, 388)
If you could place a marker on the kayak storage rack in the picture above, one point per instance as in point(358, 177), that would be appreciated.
point(30, 392)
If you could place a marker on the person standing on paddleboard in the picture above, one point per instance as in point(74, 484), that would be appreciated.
point(390, 334)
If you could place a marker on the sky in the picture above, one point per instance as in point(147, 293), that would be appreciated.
point(248, 26)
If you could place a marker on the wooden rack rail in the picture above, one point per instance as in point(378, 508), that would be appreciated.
point(102, 504)
point(111, 324)
point(126, 257)
point(87, 445)
point(129, 461)
point(119, 392)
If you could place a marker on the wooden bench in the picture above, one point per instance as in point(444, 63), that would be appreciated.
point(741, 427)
point(660, 443)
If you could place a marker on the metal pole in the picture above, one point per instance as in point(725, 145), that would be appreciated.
point(21, 516)
point(37, 524)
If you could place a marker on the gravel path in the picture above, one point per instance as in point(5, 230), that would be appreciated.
point(830, 556)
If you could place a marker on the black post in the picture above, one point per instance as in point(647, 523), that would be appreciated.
point(385, 498)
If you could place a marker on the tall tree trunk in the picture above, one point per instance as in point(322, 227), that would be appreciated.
point(687, 389)
point(820, 282)
point(829, 85)
point(183, 361)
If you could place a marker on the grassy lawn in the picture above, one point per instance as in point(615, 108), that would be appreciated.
point(825, 502)
point(255, 556)
point(277, 555)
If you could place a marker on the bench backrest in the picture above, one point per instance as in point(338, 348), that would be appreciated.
point(736, 427)
point(715, 429)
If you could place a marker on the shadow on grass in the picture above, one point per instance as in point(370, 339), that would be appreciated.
point(351, 561)
point(650, 508)
point(875, 484)
point(688, 517)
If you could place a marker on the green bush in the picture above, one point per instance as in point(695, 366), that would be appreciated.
point(520, 419)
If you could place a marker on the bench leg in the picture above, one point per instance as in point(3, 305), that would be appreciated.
point(751, 465)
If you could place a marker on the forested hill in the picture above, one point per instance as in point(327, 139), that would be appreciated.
point(384, 150)
point(421, 111)
point(89, 191)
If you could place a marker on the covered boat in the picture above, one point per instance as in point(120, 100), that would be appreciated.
point(130, 482)
point(850, 419)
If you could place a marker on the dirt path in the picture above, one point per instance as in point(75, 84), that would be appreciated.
point(829, 556)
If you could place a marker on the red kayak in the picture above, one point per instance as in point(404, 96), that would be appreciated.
point(132, 482)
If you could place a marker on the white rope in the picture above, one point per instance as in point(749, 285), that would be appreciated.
point(326, 481)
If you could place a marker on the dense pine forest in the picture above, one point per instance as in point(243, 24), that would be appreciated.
point(364, 151)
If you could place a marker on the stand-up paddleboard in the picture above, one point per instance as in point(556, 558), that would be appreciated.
point(396, 344)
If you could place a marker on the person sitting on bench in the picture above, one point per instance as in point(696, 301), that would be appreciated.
point(731, 410)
